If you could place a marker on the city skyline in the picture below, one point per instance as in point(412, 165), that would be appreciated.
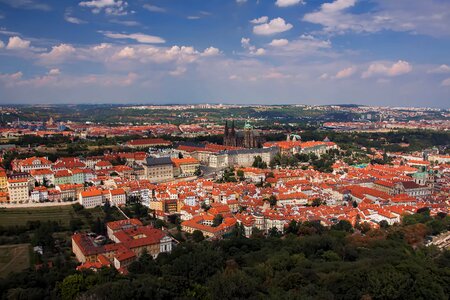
point(238, 51)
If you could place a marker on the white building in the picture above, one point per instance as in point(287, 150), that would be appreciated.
point(91, 198)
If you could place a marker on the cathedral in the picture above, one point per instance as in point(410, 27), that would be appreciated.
point(248, 138)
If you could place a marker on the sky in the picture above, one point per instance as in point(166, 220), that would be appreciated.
point(369, 52)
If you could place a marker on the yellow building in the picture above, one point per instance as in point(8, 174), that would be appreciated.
point(18, 190)
point(185, 166)
point(3, 180)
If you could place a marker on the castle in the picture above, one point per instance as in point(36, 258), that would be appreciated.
point(249, 138)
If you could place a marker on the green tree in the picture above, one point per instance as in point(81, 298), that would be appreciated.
point(218, 219)
point(197, 236)
point(71, 286)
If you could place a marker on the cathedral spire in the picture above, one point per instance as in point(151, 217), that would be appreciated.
point(226, 128)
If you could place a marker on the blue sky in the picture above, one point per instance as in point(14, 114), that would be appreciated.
point(375, 52)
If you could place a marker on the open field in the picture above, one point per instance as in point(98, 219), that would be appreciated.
point(61, 214)
point(20, 216)
point(14, 258)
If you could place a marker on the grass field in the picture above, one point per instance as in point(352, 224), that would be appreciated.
point(14, 258)
point(60, 214)
point(20, 216)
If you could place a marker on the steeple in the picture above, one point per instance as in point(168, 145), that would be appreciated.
point(233, 131)
point(226, 128)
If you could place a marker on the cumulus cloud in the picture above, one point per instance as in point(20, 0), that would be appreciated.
point(2, 44)
point(16, 43)
point(127, 53)
point(382, 69)
point(445, 82)
point(54, 72)
point(138, 37)
point(344, 73)
point(58, 54)
point(261, 20)
point(110, 7)
point(245, 43)
point(178, 71)
point(305, 45)
point(279, 42)
point(442, 69)
point(286, 3)
point(276, 25)
point(13, 76)
point(153, 8)
point(211, 51)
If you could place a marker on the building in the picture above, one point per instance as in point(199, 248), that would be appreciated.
point(91, 198)
point(242, 158)
point(147, 143)
point(43, 176)
point(185, 166)
point(158, 169)
point(31, 163)
point(412, 189)
point(113, 227)
point(3, 180)
point(131, 241)
point(248, 138)
point(19, 190)
point(204, 223)
point(117, 197)
point(69, 192)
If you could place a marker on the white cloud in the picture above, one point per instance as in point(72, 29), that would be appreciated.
point(324, 76)
point(430, 17)
point(260, 51)
point(58, 54)
point(245, 43)
point(2, 44)
point(193, 17)
point(139, 37)
point(279, 42)
point(344, 73)
point(241, 1)
point(127, 53)
point(111, 7)
point(27, 4)
point(399, 68)
point(16, 42)
point(178, 71)
point(261, 20)
point(445, 82)
point(14, 76)
point(286, 3)
point(276, 75)
point(71, 19)
point(305, 45)
point(125, 22)
point(153, 8)
point(54, 72)
point(276, 25)
point(442, 69)
point(211, 51)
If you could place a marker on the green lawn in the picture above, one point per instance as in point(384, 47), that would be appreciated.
point(61, 214)
point(14, 258)
point(20, 216)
